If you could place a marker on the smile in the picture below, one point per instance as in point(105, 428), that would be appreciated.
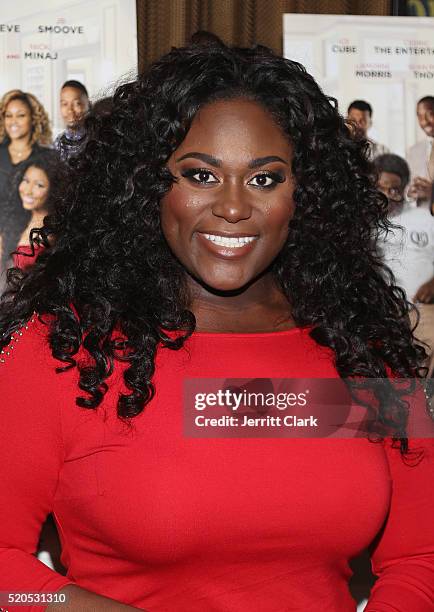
point(235, 242)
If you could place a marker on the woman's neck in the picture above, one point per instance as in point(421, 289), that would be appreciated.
point(20, 148)
point(260, 308)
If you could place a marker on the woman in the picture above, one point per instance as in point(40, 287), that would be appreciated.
point(24, 128)
point(34, 187)
point(222, 211)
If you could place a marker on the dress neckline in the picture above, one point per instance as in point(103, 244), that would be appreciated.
point(281, 333)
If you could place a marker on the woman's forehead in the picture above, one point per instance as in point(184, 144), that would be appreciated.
point(235, 127)
point(35, 172)
point(16, 104)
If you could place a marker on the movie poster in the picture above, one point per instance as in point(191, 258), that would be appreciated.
point(44, 44)
point(387, 61)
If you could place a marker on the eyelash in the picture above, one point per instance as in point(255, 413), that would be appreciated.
point(275, 176)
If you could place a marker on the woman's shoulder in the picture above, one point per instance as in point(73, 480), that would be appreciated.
point(37, 400)
point(39, 150)
point(29, 344)
point(5, 161)
point(29, 386)
point(28, 361)
point(25, 256)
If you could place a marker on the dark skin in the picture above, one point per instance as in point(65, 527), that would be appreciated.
point(234, 179)
point(231, 287)
point(421, 187)
point(390, 185)
point(362, 119)
point(73, 107)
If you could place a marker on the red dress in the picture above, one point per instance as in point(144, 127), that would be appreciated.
point(170, 523)
point(23, 256)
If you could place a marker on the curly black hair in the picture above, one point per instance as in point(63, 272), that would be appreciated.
point(113, 286)
point(15, 217)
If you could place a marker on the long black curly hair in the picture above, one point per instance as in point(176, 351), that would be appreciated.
point(110, 269)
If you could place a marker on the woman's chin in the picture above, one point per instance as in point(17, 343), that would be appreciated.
point(224, 285)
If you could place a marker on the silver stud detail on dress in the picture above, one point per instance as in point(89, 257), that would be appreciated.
point(5, 352)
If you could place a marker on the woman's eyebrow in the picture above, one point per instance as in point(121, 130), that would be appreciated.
point(261, 161)
point(208, 159)
point(217, 163)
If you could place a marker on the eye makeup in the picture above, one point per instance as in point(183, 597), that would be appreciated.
point(275, 177)
point(191, 173)
point(204, 174)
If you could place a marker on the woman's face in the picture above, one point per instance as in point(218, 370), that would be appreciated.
point(18, 120)
point(33, 189)
point(226, 218)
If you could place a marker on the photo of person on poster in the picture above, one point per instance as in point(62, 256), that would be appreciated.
point(360, 113)
point(420, 156)
point(25, 133)
point(409, 247)
point(74, 104)
point(32, 192)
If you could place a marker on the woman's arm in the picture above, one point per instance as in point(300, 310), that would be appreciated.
point(31, 457)
point(80, 600)
point(403, 553)
point(31, 452)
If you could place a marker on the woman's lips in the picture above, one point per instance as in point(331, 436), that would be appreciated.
point(229, 246)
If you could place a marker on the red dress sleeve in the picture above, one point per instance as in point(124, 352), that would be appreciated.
point(23, 257)
point(31, 453)
point(403, 553)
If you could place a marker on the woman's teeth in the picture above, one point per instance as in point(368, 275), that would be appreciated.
point(235, 242)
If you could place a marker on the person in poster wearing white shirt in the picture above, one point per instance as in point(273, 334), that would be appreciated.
point(418, 156)
point(409, 249)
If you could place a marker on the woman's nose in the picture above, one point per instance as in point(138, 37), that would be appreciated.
point(233, 204)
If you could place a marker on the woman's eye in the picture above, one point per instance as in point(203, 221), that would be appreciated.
point(262, 180)
point(204, 177)
point(265, 180)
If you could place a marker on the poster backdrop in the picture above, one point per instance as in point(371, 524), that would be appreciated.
point(44, 43)
point(387, 61)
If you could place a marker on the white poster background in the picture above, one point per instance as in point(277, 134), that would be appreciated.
point(93, 41)
point(387, 61)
